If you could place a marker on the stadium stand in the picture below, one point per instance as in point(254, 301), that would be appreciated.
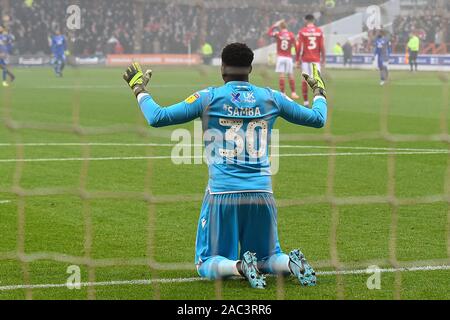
point(31, 26)
point(432, 27)
point(169, 28)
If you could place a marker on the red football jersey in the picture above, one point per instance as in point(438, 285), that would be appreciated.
point(311, 44)
point(285, 41)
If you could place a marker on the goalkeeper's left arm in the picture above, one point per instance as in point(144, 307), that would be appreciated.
point(155, 115)
point(295, 113)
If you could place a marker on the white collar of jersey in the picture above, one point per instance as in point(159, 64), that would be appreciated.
point(243, 83)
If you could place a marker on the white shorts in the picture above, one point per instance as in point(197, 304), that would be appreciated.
point(307, 67)
point(285, 65)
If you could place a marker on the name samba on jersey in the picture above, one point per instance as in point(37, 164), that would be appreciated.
point(242, 111)
point(235, 111)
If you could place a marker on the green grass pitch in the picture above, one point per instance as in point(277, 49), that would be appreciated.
point(54, 224)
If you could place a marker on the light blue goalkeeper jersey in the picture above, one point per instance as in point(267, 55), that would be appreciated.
point(237, 122)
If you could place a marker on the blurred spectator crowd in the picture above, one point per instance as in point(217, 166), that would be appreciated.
point(431, 27)
point(112, 26)
point(104, 27)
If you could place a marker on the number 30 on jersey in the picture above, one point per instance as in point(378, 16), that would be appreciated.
point(255, 145)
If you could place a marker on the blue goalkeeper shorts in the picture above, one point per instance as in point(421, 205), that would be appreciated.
point(233, 221)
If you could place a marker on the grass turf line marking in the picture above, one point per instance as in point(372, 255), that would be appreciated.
point(341, 154)
point(117, 144)
point(200, 86)
point(197, 279)
point(5, 201)
point(160, 86)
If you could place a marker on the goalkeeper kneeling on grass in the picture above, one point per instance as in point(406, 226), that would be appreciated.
point(237, 230)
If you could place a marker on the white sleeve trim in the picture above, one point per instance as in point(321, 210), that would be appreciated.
point(319, 97)
point(141, 96)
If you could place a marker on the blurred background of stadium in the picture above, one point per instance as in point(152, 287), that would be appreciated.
point(383, 198)
point(181, 27)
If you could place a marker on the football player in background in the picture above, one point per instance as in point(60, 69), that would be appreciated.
point(285, 64)
point(413, 48)
point(381, 55)
point(237, 229)
point(310, 50)
point(6, 42)
point(58, 47)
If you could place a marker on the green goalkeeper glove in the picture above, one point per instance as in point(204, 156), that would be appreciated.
point(316, 82)
point(136, 79)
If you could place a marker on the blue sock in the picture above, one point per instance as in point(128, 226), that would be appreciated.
point(4, 74)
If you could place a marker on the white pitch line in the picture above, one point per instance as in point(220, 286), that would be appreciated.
point(201, 86)
point(5, 201)
point(360, 148)
point(103, 283)
point(114, 144)
point(197, 279)
point(91, 144)
point(406, 84)
point(386, 270)
point(87, 86)
point(341, 154)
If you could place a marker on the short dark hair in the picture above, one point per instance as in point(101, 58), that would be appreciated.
point(237, 55)
point(309, 17)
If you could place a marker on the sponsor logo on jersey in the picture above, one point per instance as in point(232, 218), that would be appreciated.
point(249, 97)
point(236, 97)
point(311, 34)
point(192, 98)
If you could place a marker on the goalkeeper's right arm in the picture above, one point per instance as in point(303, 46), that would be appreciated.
point(182, 112)
point(155, 115)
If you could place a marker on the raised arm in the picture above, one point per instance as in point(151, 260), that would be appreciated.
point(182, 112)
point(298, 114)
point(156, 115)
point(295, 113)
point(272, 32)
